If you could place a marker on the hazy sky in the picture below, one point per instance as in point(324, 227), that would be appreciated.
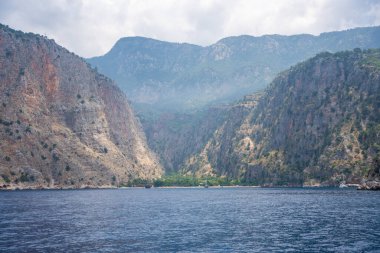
point(91, 27)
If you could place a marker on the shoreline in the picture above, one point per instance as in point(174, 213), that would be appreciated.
point(369, 185)
point(13, 188)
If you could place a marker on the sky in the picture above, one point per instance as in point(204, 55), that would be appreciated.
point(91, 27)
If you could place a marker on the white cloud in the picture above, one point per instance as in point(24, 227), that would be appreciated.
point(91, 27)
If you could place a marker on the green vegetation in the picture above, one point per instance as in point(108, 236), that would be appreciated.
point(372, 58)
point(55, 157)
point(28, 129)
point(8, 53)
point(26, 178)
point(6, 122)
point(184, 181)
point(6, 178)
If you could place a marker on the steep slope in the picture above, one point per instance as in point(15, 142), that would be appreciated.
point(317, 123)
point(61, 123)
point(171, 84)
point(178, 77)
point(177, 136)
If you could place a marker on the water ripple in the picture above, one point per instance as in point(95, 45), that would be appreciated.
point(190, 220)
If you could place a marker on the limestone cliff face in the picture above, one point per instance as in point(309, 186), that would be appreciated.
point(63, 124)
point(317, 123)
point(167, 82)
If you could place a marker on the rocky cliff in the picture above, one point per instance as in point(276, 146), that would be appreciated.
point(171, 84)
point(61, 123)
point(317, 123)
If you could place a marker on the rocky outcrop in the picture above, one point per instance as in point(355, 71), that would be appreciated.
point(172, 84)
point(61, 123)
point(372, 185)
point(316, 124)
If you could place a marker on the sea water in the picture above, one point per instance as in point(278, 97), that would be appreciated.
point(190, 220)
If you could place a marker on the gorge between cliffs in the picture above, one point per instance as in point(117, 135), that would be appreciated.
point(192, 126)
point(274, 110)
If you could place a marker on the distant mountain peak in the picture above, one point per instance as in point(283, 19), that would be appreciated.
point(185, 76)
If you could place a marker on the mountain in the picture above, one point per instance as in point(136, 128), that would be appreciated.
point(171, 85)
point(61, 123)
point(316, 123)
point(178, 77)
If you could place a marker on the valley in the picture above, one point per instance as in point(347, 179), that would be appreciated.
point(194, 112)
point(193, 103)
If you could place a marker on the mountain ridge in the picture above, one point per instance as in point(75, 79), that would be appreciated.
point(62, 124)
point(155, 73)
point(142, 38)
point(220, 73)
point(315, 124)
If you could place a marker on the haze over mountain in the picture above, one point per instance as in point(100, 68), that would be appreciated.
point(167, 82)
point(177, 77)
point(189, 126)
point(65, 125)
point(90, 28)
point(61, 123)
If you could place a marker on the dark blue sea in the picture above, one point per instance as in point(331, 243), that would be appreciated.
point(190, 220)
